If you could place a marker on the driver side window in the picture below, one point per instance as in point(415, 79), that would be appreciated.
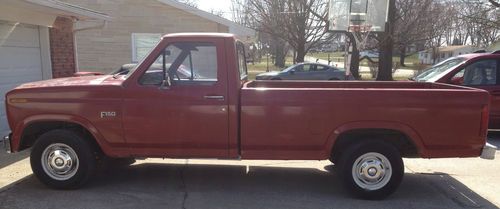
point(303, 68)
point(184, 62)
point(480, 73)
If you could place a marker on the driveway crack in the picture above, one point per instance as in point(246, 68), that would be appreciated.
point(183, 184)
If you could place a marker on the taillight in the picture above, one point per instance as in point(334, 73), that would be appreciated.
point(484, 121)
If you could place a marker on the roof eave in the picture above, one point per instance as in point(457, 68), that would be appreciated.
point(195, 11)
point(72, 10)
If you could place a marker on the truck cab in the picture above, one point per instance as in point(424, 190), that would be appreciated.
point(186, 116)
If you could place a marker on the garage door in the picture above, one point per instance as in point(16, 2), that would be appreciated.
point(20, 60)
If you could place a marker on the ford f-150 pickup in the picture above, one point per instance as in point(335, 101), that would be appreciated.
point(212, 111)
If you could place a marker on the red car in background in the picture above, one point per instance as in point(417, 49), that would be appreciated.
point(477, 70)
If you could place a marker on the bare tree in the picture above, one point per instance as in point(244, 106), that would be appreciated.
point(494, 3)
point(386, 45)
point(239, 9)
point(193, 3)
point(482, 20)
point(416, 22)
point(301, 23)
point(217, 12)
point(475, 22)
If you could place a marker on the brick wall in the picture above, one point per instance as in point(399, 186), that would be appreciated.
point(62, 48)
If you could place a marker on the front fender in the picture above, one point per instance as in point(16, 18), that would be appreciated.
point(23, 124)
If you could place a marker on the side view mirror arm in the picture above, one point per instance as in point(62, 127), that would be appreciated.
point(166, 83)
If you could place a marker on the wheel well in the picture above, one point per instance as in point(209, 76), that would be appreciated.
point(396, 138)
point(33, 131)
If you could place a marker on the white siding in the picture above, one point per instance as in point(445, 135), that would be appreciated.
point(20, 60)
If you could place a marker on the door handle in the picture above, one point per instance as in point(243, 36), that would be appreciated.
point(215, 97)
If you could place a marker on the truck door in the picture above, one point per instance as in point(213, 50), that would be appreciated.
point(483, 74)
point(186, 115)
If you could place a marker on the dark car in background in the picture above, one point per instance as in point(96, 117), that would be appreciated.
point(477, 70)
point(305, 71)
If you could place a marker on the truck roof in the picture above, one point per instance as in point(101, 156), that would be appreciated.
point(207, 35)
point(473, 55)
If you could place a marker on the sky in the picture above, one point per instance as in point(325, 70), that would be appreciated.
point(222, 5)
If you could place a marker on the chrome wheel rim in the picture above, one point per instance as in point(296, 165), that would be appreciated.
point(371, 171)
point(59, 161)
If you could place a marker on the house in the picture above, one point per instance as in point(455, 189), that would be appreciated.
point(435, 55)
point(136, 28)
point(36, 42)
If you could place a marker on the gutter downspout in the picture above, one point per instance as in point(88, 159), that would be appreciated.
point(75, 45)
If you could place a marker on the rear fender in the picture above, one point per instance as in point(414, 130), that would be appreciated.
point(395, 126)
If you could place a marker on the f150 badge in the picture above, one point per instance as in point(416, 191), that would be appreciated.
point(108, 114)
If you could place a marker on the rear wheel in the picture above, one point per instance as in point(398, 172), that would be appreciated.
point(62, 159)
point(371, 170)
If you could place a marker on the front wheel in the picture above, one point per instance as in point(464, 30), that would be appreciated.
point(371, 170)
point(62, 159)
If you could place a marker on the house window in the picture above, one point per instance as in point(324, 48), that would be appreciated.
point(450, 54)
point(142, 43)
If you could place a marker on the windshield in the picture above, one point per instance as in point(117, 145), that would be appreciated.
point(439, 68)
point(132, 68)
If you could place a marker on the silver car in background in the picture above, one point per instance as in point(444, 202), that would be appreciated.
point(305, 71)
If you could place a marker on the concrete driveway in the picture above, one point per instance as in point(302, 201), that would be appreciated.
point(157, 183)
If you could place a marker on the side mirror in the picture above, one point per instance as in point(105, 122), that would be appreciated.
point(166, 83)
point(292, 71)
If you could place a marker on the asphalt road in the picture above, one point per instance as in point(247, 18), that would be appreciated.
point(193, 184)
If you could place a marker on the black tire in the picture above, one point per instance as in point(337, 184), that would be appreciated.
point(356, 182)
point(60, 144)
point(334, 79)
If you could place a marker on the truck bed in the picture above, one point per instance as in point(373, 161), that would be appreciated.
point(302, 120)
point(391, 85)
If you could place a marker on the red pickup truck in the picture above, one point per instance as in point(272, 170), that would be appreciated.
point(365, 128)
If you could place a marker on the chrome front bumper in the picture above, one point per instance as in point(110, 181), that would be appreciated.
point(6, 143)
point(488, 151)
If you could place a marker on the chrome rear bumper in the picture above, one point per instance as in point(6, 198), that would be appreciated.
point(488, 151)
point(6, 143)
